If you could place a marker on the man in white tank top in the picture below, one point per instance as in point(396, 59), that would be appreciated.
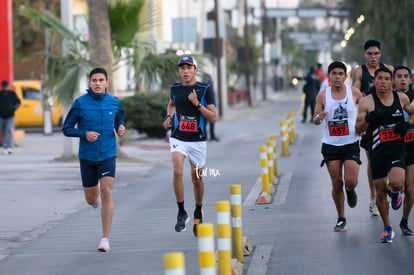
point(336, 108)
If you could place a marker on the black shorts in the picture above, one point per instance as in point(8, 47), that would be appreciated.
point(409, 157)
point(93, 171)
point(343, 152)
point(380, 166)
point(365, 142)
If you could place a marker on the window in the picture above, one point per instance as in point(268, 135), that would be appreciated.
point(31, 94)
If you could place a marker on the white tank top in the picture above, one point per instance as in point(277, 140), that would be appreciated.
point(339, 127)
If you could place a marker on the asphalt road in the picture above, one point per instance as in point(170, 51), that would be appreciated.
point(47, 228)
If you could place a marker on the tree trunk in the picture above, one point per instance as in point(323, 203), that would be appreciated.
point(100, 47)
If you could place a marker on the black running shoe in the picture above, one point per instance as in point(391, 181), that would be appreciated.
point(340, 225)
point(405, 229)
point(351, 197)
point(182, 220)
point(197, 220)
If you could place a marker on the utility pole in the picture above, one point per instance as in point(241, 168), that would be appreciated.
point(218, 59)
point(47, 108)
point(264, 34)
point(246, 54)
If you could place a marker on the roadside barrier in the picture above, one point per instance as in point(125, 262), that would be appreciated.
point(292, 127)
point(275, 166)
point(223, 238)
point(231, 245)
point(284, 133)
point(302, 103)
point(206, 253)
point(236, 218)
point(265, 195)
point(270, 161)
point(174, 263)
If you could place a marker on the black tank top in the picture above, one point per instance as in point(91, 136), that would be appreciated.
point(383, 137)
point(366, 81)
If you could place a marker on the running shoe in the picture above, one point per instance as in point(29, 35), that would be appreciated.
point(405, 229)
point(197, 221)
point(373, 210)
point(97, 203)
point(182, 220)
point(340, 226)
point(351, 197)
point(104, 245)
point(396, 200)
point(387, 235)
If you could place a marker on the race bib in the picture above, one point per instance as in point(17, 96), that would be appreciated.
point(188, 124)
point(388, 135)
point(338, 128)
point(409, 136)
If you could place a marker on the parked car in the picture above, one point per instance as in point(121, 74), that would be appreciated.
point(30, 113)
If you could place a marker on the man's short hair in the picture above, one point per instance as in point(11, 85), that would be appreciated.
point(336, 64)
point(384, 69)
point(372, 43)
point(98, 71)
point(4, 84)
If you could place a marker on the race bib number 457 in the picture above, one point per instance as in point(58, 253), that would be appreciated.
point(188, 124)
point(338, 128)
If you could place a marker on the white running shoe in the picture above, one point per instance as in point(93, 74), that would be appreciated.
point(373, 210)
point(104, 245)
point(97, 203)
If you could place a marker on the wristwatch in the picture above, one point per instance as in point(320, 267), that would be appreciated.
point(199, 105)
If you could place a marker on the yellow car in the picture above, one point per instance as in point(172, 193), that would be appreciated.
point(30, 113)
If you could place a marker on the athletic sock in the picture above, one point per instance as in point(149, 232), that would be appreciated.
point(181, 209)
point(197, 212)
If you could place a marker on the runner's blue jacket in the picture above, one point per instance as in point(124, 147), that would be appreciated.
point(100, 113)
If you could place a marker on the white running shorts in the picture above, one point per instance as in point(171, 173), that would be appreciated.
point(195, 150)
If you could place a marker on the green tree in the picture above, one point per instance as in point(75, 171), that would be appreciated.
point(389, 21)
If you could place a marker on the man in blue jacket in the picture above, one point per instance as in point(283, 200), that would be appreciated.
point(97, 116)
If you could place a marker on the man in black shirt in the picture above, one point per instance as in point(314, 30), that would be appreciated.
point(402, 81)
point(380, 116)
point(9, 103)
point(363, 80)
point(191, 105)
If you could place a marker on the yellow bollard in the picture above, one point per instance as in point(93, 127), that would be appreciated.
point(206, 256)
point(174, 263)
point(265, 176)
point(223, 237)
point(236, 220)
point(275, 168)
point(285, 137)
point(270, 162)
point(292, 132)
point(302, 103)
point(289, 127)
point(265, 156)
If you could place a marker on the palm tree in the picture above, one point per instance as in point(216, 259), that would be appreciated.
point(123, 33)
point(100, 48)
point(127, 35)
